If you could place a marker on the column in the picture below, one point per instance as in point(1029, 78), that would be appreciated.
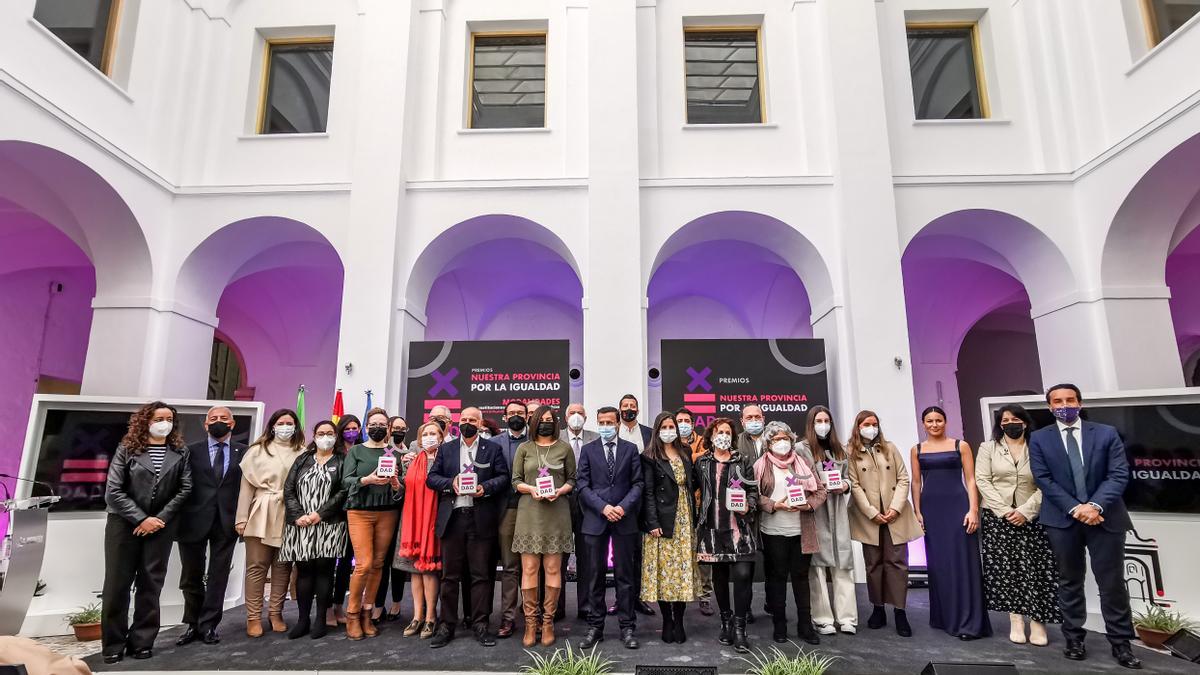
point(147, 349)
point(614, 311)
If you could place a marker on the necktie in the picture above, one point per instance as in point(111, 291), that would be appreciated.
point(1076, 459)
point(219, 462)
point(575, 446)
point(609, 459)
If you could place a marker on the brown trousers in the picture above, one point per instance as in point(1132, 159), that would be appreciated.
point(887, 571)
point(370, 535)
point(259, 559)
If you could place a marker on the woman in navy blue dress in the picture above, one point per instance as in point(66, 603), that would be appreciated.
point(946, 501)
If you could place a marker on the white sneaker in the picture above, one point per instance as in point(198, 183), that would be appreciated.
point(825, 629)
point(848, 628)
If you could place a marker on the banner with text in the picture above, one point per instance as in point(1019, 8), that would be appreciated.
point(486, 375)
point(717, 378)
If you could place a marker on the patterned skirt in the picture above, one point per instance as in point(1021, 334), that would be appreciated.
point(669, 569)
point(1020, 575)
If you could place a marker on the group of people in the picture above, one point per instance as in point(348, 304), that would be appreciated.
point(684, 510)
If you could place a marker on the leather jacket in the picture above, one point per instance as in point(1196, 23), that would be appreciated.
point(135, 492)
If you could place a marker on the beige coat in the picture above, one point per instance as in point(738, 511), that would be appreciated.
point(260, 502)
point(879, 482)
point(1004, 483)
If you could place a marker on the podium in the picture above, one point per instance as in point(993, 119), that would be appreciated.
point(28, 522)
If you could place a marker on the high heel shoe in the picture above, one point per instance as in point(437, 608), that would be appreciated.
point(1016, 629)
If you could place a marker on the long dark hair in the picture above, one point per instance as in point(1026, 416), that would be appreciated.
point(268, 434)
point(836, 450)
point(343, 422)
point(657, 449)
point(313, 445)
point(1018, 412)
point(537, 419)
point(137, 435)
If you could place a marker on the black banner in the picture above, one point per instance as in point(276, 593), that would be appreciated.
point(485, 375)
point(717, 378)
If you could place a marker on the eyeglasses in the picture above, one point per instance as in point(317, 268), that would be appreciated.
point(373, 427)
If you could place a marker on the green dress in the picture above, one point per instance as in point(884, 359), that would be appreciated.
point(543, 526)
point(669, 569)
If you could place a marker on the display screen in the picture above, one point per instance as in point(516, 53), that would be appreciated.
point(76, 446)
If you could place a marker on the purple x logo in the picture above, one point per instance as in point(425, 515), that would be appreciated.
point(699, 379)
point(444, 382)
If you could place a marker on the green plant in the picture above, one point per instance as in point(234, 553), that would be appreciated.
point(1159, 619)
point(776, 662)
point(86, 614)
point(567, 662)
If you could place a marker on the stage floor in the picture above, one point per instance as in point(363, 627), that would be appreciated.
point(870, 651)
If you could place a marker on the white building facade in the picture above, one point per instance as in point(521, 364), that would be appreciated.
point(1041, 235)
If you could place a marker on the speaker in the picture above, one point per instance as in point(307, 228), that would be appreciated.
point(675, 670)
point(1185, 644)
point(944, 668)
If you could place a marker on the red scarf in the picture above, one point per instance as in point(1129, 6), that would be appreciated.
point(417, 539)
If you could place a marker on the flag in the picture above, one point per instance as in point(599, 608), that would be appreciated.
point(362, 429)
point(300, 406)
point(338, 407)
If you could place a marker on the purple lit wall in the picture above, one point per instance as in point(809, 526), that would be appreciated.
point(1183, 278)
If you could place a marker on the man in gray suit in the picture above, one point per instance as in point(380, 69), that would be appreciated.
point(576, 436)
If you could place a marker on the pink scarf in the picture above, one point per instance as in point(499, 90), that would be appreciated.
point(789, 462)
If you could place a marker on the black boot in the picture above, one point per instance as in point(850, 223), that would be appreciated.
point(726, 636)
point(780, 633)
point(668, 629)
point(902, 627)
point(740, 644)
point(302, 626)
point(878, 618)
point(680, 635)
point(805, 630)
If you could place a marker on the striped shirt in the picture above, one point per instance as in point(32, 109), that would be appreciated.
point(157, 454)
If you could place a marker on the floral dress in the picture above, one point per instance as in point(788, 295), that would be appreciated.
point(669, 570)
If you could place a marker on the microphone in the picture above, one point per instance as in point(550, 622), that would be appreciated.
point(49, 487)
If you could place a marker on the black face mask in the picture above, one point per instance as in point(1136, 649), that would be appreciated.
point(467, 429)
point(516, 423)
point(1014, 430)
point(629, 415)
point(218, 429)
point(377, 434)
point(545, 428)
point(398, 437)
point(441, 423)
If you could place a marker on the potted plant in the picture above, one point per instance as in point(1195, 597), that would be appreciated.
point(1156, 624)
point(567, 662)
point(86, 622)
point(776, 662)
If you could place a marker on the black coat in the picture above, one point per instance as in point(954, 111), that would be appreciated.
point(660, 499)
point(135, 492)
point(492, 473)
point(211, 501)
point(331, 510)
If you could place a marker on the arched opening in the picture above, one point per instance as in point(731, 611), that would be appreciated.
point(733, 274)
point(275, 287)
point(969, 279)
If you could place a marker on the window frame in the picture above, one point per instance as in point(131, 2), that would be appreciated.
point(759, 66)
point(108, 50)
point(1154, 36)
point(265, 82)
point(985, 105)
point(470, 93)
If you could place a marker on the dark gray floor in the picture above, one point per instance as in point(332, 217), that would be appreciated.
point(871, 651)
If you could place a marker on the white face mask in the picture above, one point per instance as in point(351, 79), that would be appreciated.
point(284, 432)
point(668, 435)
point(161, 429)
point(428, 441)
point(822, 429)
point(722, 441)
point(869, 433)
point(575, 421)
point(325, 442)
point(781, 447)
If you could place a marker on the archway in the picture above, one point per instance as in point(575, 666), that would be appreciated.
point(734, 274)
point(275, 287)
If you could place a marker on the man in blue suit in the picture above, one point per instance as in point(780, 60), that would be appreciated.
point(609, 481)
point(468, 523)
point(1082, 471)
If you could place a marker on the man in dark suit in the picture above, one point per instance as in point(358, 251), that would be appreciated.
point(515, 423)
point(206, 527)
point(609, 482)
point(576, 436)
point(468, 524)
point(1082, 471)
point(639, 435)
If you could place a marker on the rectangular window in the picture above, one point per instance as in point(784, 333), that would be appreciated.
point(1164, 17)
point(87, 26)
point(297, 75)
point(508, 81)
point(724, 75)
point(947, 71)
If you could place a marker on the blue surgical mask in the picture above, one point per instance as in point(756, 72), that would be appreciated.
point(755, 427)
point(685, 429)
point(607, 431)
